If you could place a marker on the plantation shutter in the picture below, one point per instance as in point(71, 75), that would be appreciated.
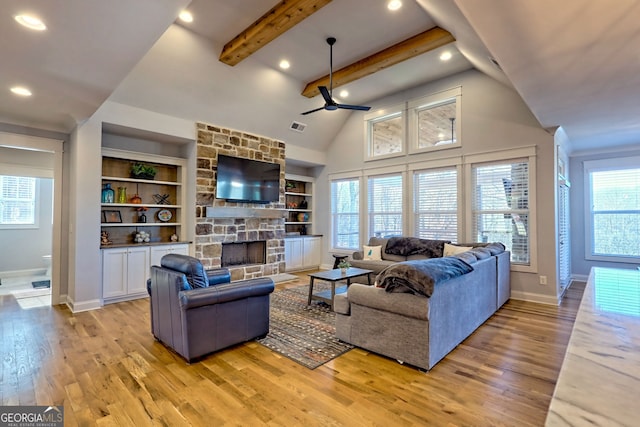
point(501, 206)
point(385, 205)
point(345, 213)
point(17, 200)
point(436, 204)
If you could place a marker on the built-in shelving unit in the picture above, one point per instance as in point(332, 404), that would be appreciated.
point(122, 220)
point(299, 204)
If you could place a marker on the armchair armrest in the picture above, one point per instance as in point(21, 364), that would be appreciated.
point(218, 275)
point(225, 292)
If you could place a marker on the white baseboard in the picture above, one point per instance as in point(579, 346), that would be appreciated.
point(21, 273)
point(531, 297)
point(580, 277)
point(77, 307)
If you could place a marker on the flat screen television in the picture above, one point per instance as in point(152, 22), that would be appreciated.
point(246, 180)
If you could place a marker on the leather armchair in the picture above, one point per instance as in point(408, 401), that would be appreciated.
point(196, 312)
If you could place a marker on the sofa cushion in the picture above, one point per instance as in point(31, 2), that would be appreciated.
point(481, 253)
point(372, 253)
point(375, 266)
point(468, 257)
point(453, 249)
point(190, 266)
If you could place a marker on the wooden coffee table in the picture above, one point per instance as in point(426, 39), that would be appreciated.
point(334, 276)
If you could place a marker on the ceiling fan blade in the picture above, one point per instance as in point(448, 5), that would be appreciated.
point(312, 111)
point(325, 94)
point(353, 107)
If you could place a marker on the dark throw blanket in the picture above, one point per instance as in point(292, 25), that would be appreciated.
point(421, 276)
point(406, 246)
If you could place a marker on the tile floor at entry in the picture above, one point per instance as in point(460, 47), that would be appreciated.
point(24, 292)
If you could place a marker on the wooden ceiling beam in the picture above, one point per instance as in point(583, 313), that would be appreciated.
point(413, 46)
point(282, 17)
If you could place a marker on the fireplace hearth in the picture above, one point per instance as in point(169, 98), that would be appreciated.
point(243, 253)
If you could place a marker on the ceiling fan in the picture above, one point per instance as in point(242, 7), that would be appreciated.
point(327, 94)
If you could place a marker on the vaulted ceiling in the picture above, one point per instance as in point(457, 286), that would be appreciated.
point(573, 62)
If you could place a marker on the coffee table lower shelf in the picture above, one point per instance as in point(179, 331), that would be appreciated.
point(334, 276)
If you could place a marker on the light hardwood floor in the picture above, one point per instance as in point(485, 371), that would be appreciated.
point(105, 367)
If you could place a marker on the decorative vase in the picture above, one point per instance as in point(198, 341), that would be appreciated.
point(108, 195)
point(343, 270)
point(142, 218)
point(122, 194)
point(136, 199)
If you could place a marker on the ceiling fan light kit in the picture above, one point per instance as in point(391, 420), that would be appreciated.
point(327, 94)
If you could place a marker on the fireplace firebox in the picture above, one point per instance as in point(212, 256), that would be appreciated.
point(243, 253)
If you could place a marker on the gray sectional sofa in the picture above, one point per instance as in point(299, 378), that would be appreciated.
point(419, 330)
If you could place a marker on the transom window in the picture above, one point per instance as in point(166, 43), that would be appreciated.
point(385, 133)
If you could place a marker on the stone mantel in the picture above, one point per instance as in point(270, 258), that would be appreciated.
point(238, 212)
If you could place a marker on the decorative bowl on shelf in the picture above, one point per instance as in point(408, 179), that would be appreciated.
point(303, 217)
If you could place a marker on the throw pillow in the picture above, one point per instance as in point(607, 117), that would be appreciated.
point(372, 253)
point(453, 249)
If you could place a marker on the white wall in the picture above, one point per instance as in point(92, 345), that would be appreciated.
point(494, 117)
point(28, 245)
point(580, 266)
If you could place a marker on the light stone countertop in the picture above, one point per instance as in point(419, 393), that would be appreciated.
point(599, 382)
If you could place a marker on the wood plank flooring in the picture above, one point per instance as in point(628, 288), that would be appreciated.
point(105, 367)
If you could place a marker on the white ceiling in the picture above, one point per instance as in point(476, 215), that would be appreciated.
point(573, 62)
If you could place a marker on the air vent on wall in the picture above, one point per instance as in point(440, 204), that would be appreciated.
point(298, 127)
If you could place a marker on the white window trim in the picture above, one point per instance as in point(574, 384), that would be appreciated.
point(602, 165)
point(429, 101)
point(508, 155)
point(456, 162)
point(364, 200)
point(378, 115)
point(36, 208)
point(341, 176)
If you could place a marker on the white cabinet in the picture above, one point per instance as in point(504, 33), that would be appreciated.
point(293, 254)
point(124, 273)
point(157, 252)
point(302, 253)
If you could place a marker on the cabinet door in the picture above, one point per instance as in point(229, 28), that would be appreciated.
point(157, 252)
point(293, 254)
point(180, 249)
point(114, 272)
point(137, 270)
point(312, 252)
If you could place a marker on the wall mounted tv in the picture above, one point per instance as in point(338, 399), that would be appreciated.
point(245, 180)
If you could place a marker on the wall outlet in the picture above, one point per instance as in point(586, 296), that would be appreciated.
point(543, 280)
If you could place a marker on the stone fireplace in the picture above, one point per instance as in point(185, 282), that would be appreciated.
point(220, 223)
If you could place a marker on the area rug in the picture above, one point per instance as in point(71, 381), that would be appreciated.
point(304, 334)
point(283, 277)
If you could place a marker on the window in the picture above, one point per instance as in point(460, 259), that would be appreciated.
point(345, 213)
point(501, 206)
point(385, 205)
point(435, 194)
point(434, 121)
point(385, 130)
point(613, 204)
point(17, 201)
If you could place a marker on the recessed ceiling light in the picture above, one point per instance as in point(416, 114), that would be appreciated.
point(394, 5)
point(186, 16)
point(445, 56)
point(21, 90)
point(31, 22)
point(284, 64)
point(344, 93)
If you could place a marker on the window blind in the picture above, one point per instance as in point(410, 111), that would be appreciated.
point(345, 213)
point(385, 205)
point(501, 206)
point(615, 212)
point(435, 194)
point(17, 200)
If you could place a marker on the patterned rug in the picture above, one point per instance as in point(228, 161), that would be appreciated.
point(304, 334)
